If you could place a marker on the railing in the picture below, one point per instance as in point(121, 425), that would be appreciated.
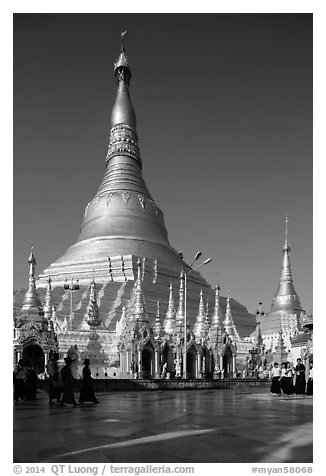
point(113, 385)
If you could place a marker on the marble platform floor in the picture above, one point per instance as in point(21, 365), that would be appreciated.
point(201, 426)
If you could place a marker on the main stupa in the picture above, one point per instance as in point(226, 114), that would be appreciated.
point(122, 219)
point(121, 227)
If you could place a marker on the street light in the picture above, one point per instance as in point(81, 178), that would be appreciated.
point(186, 272)
point(259, 313)
point(73, 286)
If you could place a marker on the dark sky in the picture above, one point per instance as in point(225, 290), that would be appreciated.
point(224, 111)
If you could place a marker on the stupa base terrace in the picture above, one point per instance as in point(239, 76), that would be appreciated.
point(115, 285)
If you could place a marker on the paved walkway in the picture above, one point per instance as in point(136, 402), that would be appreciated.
point(201, 426)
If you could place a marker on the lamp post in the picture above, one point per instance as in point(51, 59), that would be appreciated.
point(186, 272)
point(259, 313)
point(73, 286)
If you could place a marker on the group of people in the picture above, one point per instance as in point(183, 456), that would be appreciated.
point(282, 379)
point(61, 383)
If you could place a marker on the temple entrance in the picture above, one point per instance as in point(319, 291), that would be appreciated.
point(167, 356)
point(208, 364)
point(227, 363)
point(33, 355)
point(191, 363)
point(147, 358)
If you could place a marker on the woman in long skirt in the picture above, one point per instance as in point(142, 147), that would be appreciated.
point(310, 380)
point(68, 384)
point(287, 379)
point(86, 392)
point(30, 383)
point(57, 385)
point(276, 376)
point(300, 379)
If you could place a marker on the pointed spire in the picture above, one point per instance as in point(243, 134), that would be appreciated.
point(92, 312)
point(138, 312)
point(180, 315)
point(216, 328)
point(286, 244)
point(286, 269)
point(48, 303)
point(286, 299)
point(123, 111)
point(158, 328)
point(32, 303)
point(217, 318)
point(199, 327)
point(207, 317)
point(123, 194)
point(169, 319)
point(228, 321)
point(122, 61)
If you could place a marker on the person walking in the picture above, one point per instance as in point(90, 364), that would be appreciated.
point(276, 377)
point(19, 381)
point(68, 384)
point(50, 371)
point(30, 382)
point(287, 379)
point(87, 392)
point(310, 380)
point(300, 379)
point(57, 385)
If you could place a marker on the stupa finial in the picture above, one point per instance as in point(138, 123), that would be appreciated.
point(123, 33)
point(286, 244)
point(122, 61)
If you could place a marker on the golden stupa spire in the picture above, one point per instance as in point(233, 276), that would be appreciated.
point(158, 328)
point(48, 302)
point(181, 305)
point(199, 327)
point(169, 319)
point(286, 298)
point(138, 311)
point(92, 312)
point(122, 218)
point(32, 303)
point(217, 318)
point(228, 321)
point(123, 111)
point(286, 244)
